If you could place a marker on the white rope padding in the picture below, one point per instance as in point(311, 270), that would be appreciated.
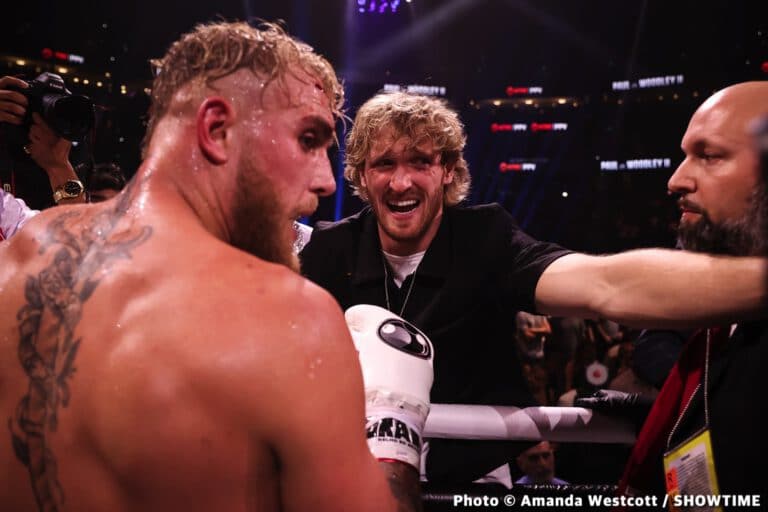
point(498, 422)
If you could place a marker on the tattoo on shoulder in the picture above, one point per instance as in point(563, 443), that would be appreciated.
point(79, 249)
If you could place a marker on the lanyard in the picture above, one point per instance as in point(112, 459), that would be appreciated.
point(693, 395)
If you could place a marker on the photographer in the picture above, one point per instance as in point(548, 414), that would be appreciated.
point(45, 148)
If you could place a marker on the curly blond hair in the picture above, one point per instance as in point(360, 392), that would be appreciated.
point(418, 117)
point(214, 50)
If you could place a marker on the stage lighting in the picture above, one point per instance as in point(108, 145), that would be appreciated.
point(378, 6)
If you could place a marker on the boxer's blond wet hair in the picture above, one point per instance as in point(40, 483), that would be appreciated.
point(214, 50)
point(420, 118)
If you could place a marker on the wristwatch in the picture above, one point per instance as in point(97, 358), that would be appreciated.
point(70, 189)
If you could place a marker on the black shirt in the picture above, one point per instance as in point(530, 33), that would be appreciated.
point(737, 411)
point(479, 270)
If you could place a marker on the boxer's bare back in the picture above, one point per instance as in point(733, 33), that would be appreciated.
point(146, 365)
point(159, 351)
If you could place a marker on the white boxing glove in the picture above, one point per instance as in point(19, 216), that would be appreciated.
point(396, 359)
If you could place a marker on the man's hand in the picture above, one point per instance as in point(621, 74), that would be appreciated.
point(51, 153)
point(13, 104)
point(632, 406)
point(47, 149)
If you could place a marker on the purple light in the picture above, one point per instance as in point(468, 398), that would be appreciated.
point(380, 6)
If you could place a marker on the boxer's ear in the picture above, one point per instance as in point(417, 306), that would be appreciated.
point(214, 119)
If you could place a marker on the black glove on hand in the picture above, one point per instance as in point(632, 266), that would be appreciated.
point(632, 406)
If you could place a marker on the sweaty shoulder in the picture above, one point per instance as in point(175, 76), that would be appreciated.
point(287, 334)
point(258, 293)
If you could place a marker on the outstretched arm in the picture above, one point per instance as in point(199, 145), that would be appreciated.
point(655, 288)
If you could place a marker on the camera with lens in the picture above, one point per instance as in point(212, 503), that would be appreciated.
point(71, 116)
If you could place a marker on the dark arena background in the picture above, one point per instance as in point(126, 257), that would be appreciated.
point(574, 110)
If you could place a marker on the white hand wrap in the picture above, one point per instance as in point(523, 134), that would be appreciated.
point(396, 359)
point(302, 234)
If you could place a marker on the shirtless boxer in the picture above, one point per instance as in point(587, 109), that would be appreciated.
point(157, 353)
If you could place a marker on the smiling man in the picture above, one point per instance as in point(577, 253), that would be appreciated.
point(460, 273)
point(408, 204)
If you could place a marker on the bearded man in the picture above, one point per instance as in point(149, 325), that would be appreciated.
point(704, 434)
